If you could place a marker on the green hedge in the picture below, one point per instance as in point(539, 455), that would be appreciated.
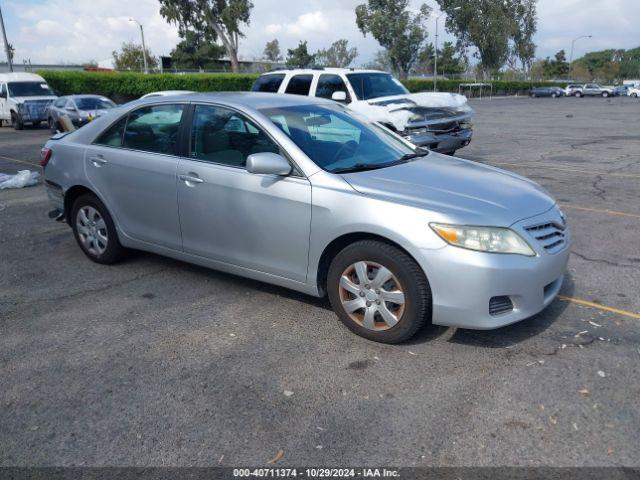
point(129, 85)
point(124, 86)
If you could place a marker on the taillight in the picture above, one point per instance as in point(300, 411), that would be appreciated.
point(45, 156)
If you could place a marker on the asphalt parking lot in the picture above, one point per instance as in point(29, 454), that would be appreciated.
point(156, 362)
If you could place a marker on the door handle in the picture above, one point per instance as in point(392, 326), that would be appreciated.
point(98, 160)
point(190, 179)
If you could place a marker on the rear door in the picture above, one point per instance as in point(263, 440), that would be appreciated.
point(260, 222)
point(132, 166)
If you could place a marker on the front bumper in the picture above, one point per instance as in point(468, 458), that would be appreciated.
point(463, 282)
point(441, 142)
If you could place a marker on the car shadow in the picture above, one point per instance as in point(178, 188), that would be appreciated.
point(497, 338)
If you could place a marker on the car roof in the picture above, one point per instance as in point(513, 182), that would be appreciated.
point(254, 100)
point(21, 77)
point(321, 70)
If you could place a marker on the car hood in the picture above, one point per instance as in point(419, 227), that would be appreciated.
point(465, 191)
point(30, 99)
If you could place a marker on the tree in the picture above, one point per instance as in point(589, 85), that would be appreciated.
point(272, 51)
point(300, 57)
point(224, 17)
point(448, 62)
point(490, 26)
point(337, 55)
point(399, 31)
point(424, 64)
point(526, 25)
point(556, 68)
point(380, 61)
point(196, 50)
point(130, 58)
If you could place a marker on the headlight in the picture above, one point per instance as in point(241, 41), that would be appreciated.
point(483, 239)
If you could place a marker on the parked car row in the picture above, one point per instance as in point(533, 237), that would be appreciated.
point(585, 90)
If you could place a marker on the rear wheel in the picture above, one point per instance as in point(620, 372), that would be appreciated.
point(634, 95)
point(379, 292)
point(605, 94)
point(578, 94)
point(554, 95)
point(94, 230)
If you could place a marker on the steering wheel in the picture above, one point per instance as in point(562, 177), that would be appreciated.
point(351, 146)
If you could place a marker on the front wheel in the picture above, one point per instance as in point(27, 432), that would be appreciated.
point(578, 94)
point(95, 231)
point(605, 94)
point(634, 95)
point(16, 121)
point(379, 292)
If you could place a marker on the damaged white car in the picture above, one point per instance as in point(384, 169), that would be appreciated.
point(438, 121)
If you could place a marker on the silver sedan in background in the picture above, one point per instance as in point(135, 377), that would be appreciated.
point(296, 192)
point(81, 109)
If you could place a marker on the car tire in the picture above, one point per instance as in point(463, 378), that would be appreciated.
point(16, 121)
point(634, 95)
point(578, 94)
point(95, 231)
point(605, 94)
point(396, 302)
point(554, 95)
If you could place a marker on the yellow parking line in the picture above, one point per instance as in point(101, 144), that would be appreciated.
point(597, 210)
point(573, 170)
point(587, 303)
point(19, 161)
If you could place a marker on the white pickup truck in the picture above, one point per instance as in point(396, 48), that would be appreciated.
point(24, 98)
point(438, 121)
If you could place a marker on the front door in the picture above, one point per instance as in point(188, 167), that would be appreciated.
point(260, 222)
point(4, 103)
point(133, 166)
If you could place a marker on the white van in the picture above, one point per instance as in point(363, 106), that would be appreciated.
point(24, 98)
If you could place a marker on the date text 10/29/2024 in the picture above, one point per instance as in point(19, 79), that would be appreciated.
point(315, 472)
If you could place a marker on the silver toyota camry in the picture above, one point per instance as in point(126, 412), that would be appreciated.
point(297, 192)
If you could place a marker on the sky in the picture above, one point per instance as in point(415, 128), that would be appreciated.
point(77, 31)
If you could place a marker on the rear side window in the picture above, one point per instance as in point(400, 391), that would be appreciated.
point(268, 83)
point(112, 137)
point(154, 129)
point(329, 84)
point(299, 85)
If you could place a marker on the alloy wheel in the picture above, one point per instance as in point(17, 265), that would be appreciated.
point(92, 230)
point(372, 295)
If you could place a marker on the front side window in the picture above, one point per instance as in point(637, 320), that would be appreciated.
point(154, 129)
point(374, 85)
point(268, 83)
point(112, 137)
point(60, 103)
point(3, 90)
point(299, 85)
point(338, 142)
point(329, 84)
point(220, 135)
point(29, 89)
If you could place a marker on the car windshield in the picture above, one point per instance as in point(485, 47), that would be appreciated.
point(92, 103)
point(29, 89)
point(338, 142)
point(374, 85)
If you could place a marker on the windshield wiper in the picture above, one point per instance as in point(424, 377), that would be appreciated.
point(360, 167)
point(410, 156)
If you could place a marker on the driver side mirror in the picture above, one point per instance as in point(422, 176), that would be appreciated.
point(339, 96)
point(267, 163)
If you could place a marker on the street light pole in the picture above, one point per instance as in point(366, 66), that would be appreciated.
point(435, 58)
point(144, 47)
point(6, 43)
point(573, 43)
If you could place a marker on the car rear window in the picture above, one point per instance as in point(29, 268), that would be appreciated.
point(268, 83)
point(299, 85)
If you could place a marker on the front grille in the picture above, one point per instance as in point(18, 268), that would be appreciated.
point(500, 305)
point(36, 109)
point(550, 235)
